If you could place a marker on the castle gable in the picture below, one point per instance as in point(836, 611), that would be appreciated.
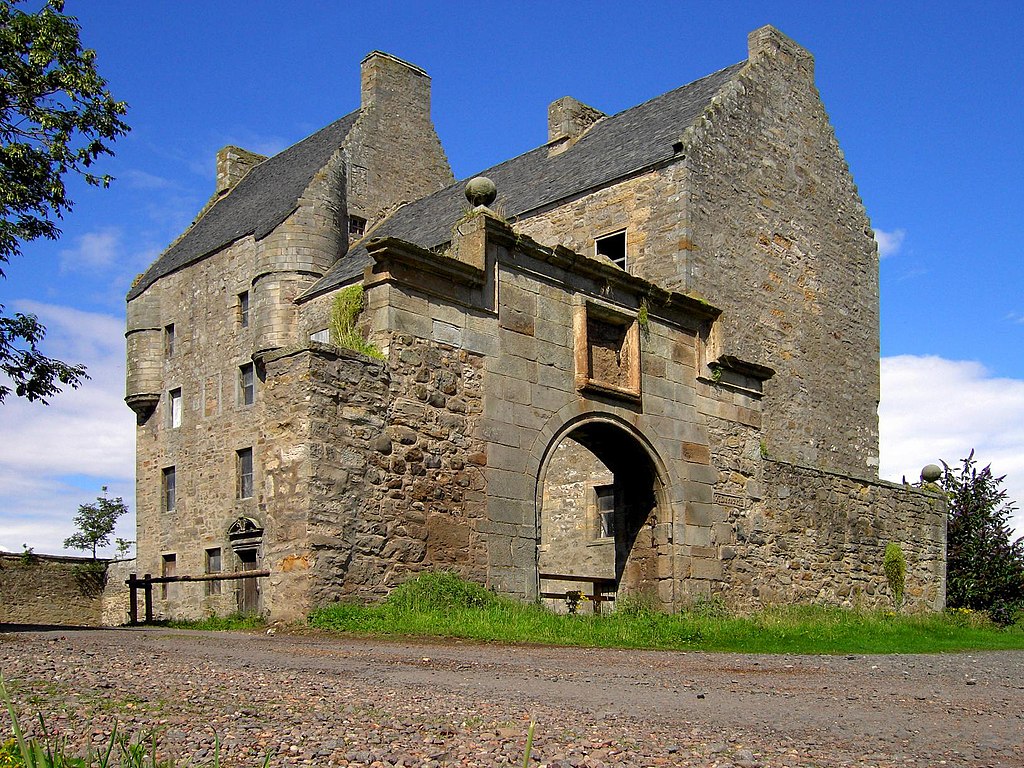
point(256, 205)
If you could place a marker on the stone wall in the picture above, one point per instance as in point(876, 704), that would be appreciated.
point(818, 537)
point(381, 461)
point(49, 589)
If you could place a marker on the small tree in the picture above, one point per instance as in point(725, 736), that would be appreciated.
point(95, 523)
point(984, 565)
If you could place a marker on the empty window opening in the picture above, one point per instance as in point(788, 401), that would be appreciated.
point(168, 567)
point(246, 384)
point(604, 503)
point(175, 408)
point(169, 340)
point(245, 485)
point(243, 309)
point(213, 565)
point(613, 246)
point(356, 227)
point(168, 489)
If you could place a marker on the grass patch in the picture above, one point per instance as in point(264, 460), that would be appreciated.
point(442, 605)
point(236, 621)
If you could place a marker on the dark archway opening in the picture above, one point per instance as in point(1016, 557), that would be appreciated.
point(599, 505)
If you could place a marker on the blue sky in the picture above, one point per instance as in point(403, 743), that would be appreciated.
point(925, 99)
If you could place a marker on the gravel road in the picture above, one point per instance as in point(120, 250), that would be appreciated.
point(316, 700)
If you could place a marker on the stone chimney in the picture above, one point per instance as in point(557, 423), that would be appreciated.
point(232, 164)
point(568, 120)
point(768, 41)
point(386, 78)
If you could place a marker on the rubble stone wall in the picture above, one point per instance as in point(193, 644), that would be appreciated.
point(50, 589)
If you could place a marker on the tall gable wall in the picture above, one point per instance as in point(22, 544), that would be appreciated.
point(779, 239)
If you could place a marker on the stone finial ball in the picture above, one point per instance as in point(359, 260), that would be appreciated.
point(931, 473)
point(481, 191)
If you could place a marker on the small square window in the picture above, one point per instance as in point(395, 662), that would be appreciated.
point(356, 227)
point(243, 309)
point(246, 384)
point(169, 340)
point(612, 246)
point(213, 565)
point(174, 404)
point(168, 489)
point(245, 484)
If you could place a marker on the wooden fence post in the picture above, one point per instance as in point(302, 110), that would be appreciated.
point(133, 599)
point(149, 597)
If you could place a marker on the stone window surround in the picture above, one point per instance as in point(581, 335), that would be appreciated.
point(243, 309)
point(586, 309)
point(168, 489)
point(246, 384)
point(169, 340)
point(603, 527)
point(214, 564)
point(174, 403)
point(245, 473)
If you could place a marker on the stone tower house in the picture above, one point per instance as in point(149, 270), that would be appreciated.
point(656, 372)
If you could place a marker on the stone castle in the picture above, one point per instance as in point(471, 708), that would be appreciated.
point(639, 359)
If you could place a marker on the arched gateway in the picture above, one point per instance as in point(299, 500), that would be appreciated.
point(601, 510)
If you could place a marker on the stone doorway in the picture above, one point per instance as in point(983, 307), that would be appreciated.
point(600, 501)
point(246, 537)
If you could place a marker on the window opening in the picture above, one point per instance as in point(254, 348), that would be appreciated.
point(168, 567)
point(613, 246)
point(245, 473)
point(247, 384)
point(213, 565)
point(169, 340)
point(175, 406)
point(243, 309)
point(168, 488)
point(605, 503)
point(356, 227)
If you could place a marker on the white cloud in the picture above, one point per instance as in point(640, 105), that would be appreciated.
point(93, 251)
point(933, 410)
point(55, 457)
point(889, 243)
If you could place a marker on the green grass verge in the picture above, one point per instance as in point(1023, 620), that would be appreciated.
point(440, 604)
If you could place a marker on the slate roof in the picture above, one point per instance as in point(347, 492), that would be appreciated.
point(614, 147)
point(264, 198)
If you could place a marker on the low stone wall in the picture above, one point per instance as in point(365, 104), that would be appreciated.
point(818, 537)
point(50, 589)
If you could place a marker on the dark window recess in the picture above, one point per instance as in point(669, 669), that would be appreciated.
point(245, 473)
point(168, 489)
point(356, 226)
point(169, 340)
point(168, 567)
point(247, 384)
point(613, 247)
point(213, 565)
point(243, 309)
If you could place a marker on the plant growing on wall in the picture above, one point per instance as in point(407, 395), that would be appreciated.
point(895, 566)
point(345, 311)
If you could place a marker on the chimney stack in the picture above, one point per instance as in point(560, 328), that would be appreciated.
point(568, 120)
point(232, 164)
point(386, 78)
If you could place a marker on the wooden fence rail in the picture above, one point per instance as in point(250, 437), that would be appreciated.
point(146, 585)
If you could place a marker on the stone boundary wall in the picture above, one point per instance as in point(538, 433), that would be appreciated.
point(819, 537)
point(50, 589)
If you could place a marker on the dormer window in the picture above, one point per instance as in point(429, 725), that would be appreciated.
point(356, 227)
point(613, 247)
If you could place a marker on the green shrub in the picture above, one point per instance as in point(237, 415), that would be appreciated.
point(895, 566)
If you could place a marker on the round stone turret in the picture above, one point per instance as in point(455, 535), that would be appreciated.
point(481, 191)
point(931, 473)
